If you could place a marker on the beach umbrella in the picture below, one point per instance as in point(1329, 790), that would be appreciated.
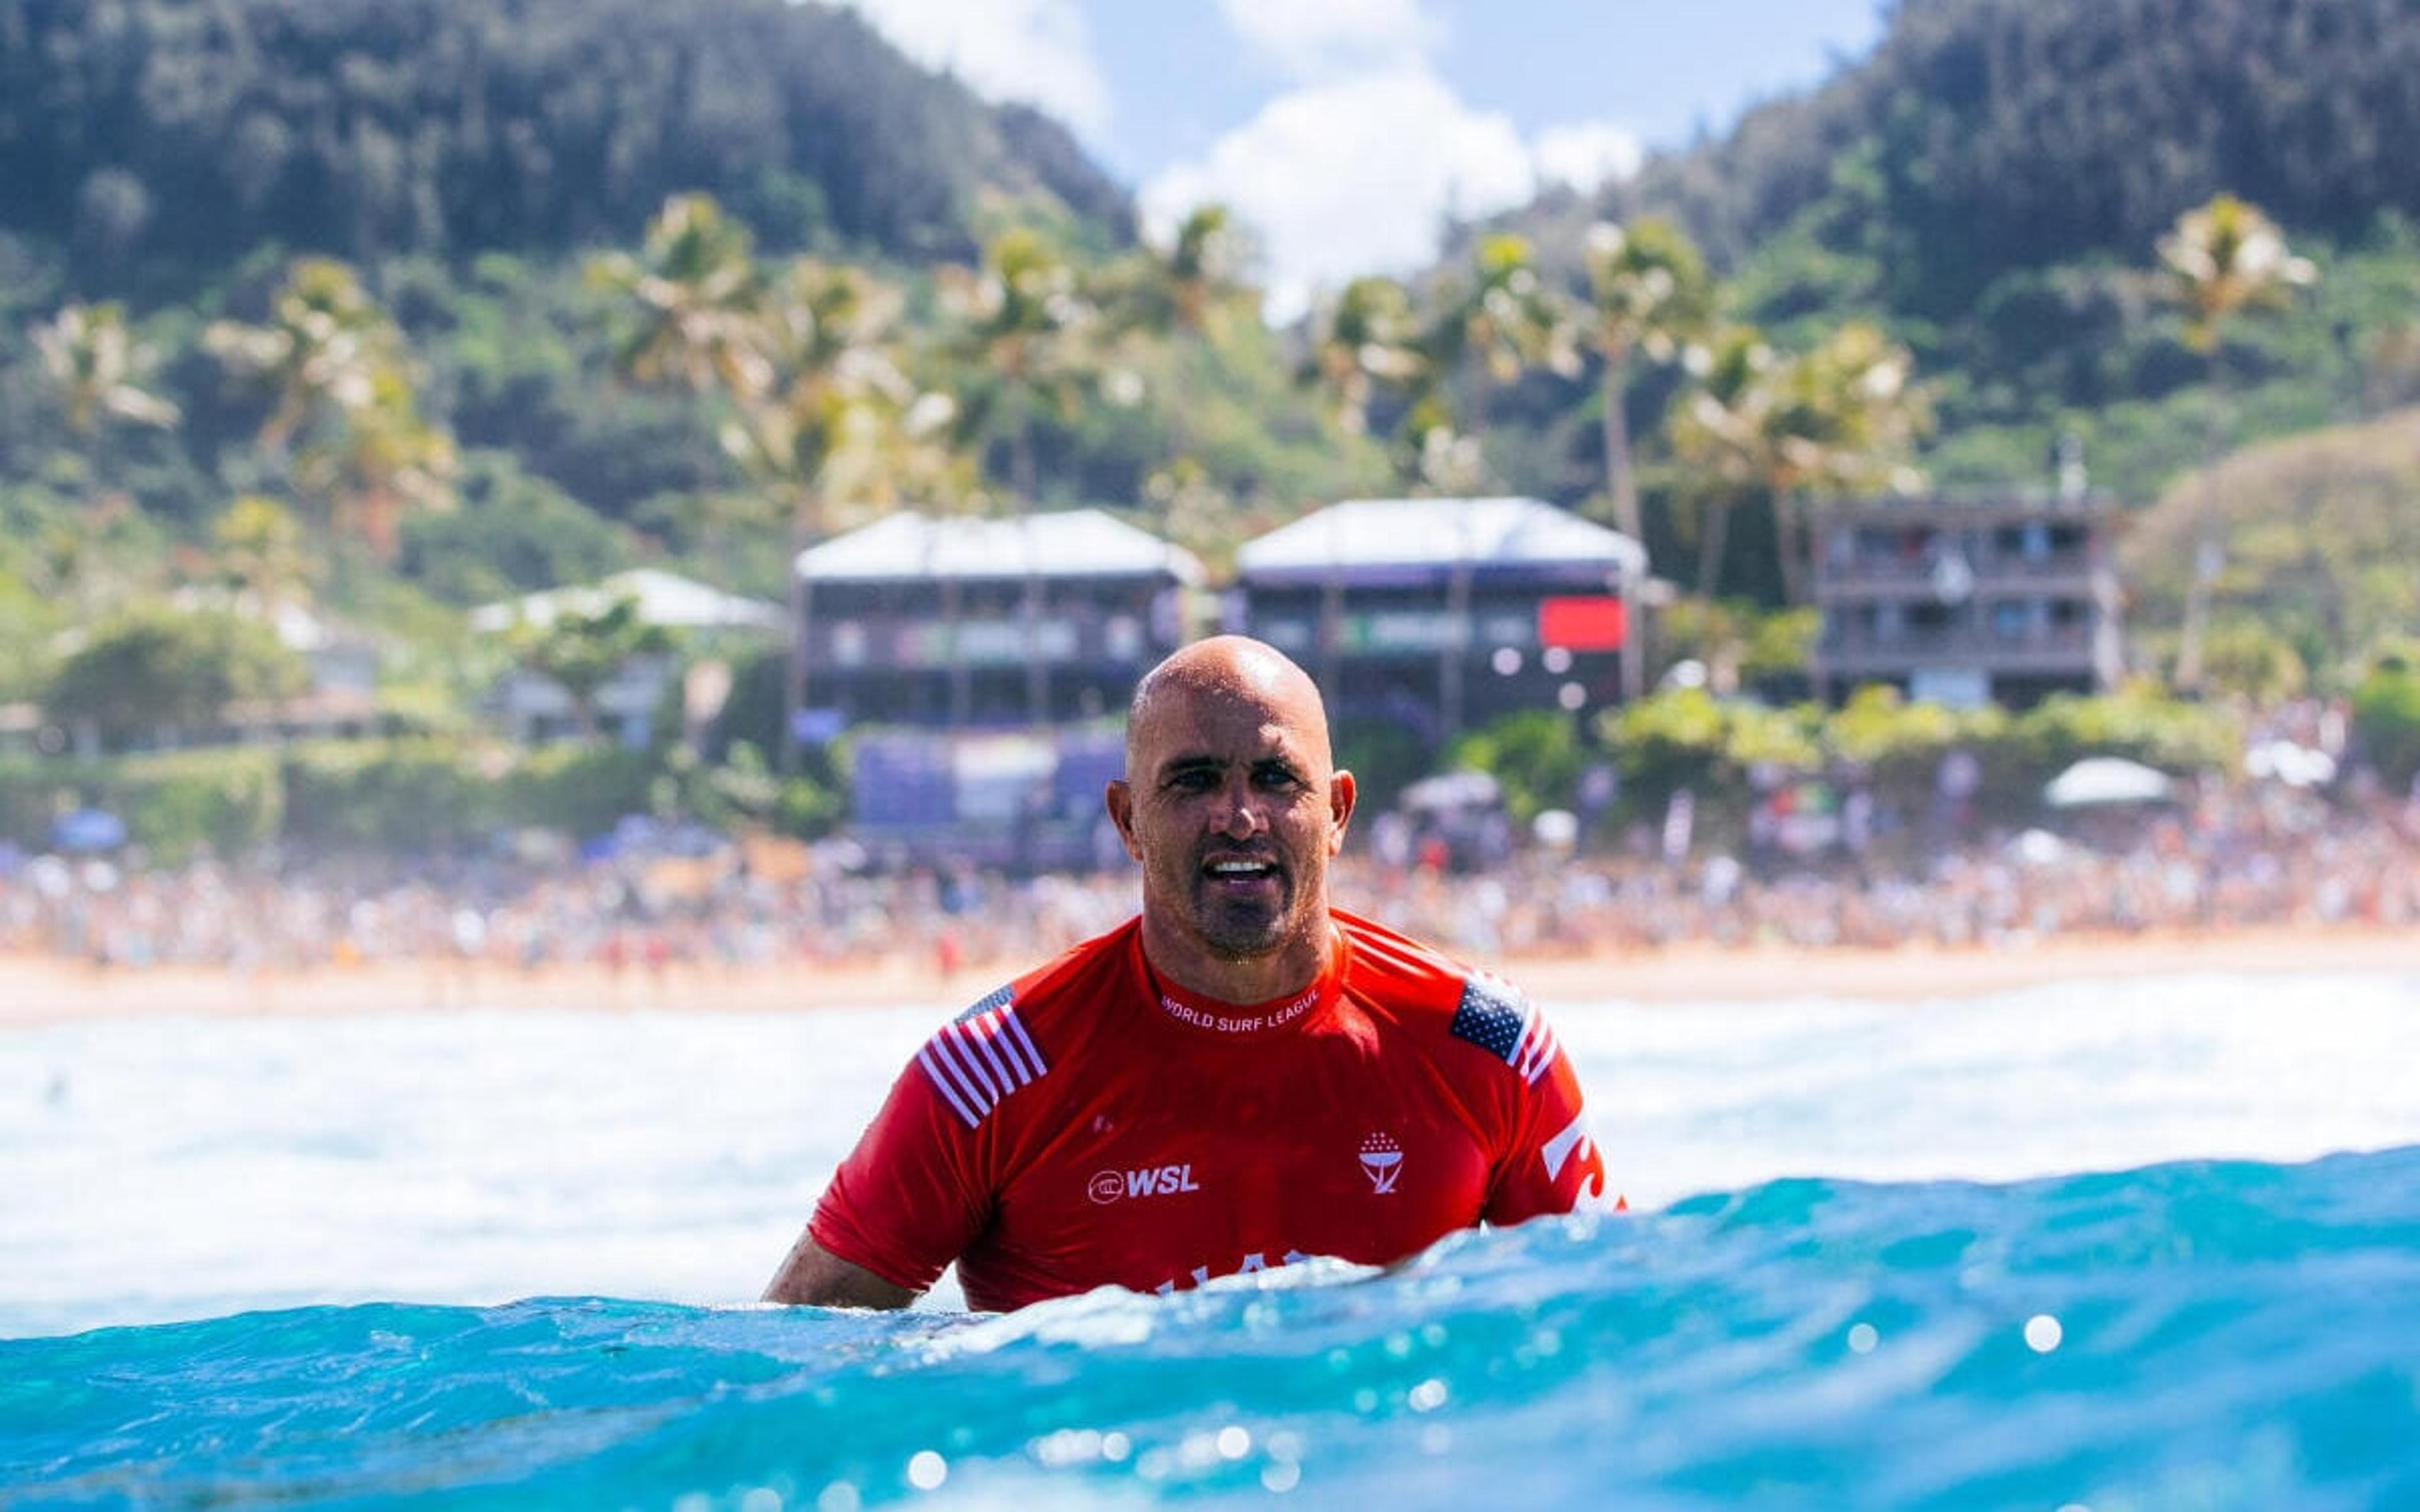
point(87, 829)
point(2100, 780)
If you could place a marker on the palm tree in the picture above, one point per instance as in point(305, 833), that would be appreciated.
point(1649, 292)
point(343, 387)
point(1506, 319)
point(2223, 258)
point(1844, 418)
point(820, 411)
point(692, 300)
point(1720, 430)
point(1839, 417)
point(260, 554)
point(842, 431)
point(320, 350)
point(1029, 324)
point(1029, 321)
point(841, 427)
point(1194, 285)
point(1364, 341)
point(99, 370)
point(92, 358)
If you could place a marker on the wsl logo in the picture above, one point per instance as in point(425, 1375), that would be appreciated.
point(1150, 1181)
point(1382, 1162)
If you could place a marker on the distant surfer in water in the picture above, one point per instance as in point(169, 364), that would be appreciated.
point(1241, 1077)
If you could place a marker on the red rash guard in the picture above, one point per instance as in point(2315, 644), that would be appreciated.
point(1090, 1124)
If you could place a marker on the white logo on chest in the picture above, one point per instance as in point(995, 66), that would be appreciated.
point(1382, 1162)
point(1150, 1181)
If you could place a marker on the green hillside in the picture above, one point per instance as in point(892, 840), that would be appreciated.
point(1989, 187)
point(394, 308)
point(151, 142)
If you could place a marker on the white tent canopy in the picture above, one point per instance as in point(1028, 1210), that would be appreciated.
point(2107, 780)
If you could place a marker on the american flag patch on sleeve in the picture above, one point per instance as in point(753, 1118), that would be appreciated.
point(1495, 1016)
point(980, 1057)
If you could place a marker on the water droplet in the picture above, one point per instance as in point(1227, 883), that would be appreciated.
point(2043, 1332)
point(839, 1496)
point(928, 1470)
point(1365, 1400)
point(1863, 1338)
point(1434, 1335)
point(1281, 1475)
point(762, 1499)
point(1428, 1395)
point(1234, 1443)
point(1115, 1446)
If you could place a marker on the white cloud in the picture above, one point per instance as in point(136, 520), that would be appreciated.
point(1586, 155)
point(1033, 50)
point(1323, 37)
point(1352, 177)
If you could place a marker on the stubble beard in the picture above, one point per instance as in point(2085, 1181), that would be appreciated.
point(1235, 930)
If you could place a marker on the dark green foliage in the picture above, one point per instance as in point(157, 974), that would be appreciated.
point(1384, 758)
point(2386, 716)
point(227, 800)
point(1714, 748)
point(154, 137)
point(155, 668)
point(416, 796)
point(578, 789)
point(1991, 185)
point(1535, 756)
point(1995, 134)
point(509, 534)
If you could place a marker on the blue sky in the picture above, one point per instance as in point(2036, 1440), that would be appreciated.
point(1343, 131)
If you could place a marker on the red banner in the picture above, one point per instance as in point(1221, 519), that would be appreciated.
point(1599, 624)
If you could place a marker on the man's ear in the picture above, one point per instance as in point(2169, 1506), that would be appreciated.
point(1119, 799)
point(1341, 796)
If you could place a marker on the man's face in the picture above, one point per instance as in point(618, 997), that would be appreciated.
point(1232, 806)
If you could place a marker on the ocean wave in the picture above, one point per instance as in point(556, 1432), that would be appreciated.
point(2200, 1334)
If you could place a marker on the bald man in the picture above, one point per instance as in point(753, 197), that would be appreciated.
point(1241, 1077)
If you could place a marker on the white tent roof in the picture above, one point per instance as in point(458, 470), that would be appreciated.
point(664, 598)
point(1076, 542)
point(1437, 533)
point(2107, 780)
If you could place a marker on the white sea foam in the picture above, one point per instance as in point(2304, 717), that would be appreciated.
point(183, 1168)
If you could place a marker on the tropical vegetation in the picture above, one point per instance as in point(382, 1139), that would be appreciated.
point(365, 316)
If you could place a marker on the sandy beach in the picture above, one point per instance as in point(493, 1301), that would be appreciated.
point(34, 990)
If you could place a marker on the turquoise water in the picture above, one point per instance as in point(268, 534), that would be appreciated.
point(2200, 1334)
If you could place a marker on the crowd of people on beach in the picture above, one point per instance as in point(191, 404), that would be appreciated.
point(2229, 862)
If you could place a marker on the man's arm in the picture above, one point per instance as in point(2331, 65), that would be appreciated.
point(812, 1275)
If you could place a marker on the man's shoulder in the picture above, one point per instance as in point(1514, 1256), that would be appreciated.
point(1074, 978)
point(1421, 985)
point(1008, 1039)
point(1390, 962)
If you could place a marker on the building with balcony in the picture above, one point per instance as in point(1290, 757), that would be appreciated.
point(2002, 597)
point(972, 624)
point(1437, 614)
